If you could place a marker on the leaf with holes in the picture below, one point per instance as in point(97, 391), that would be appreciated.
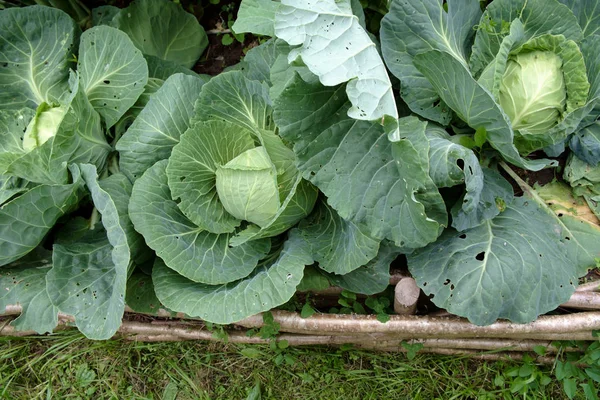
point(515, 266)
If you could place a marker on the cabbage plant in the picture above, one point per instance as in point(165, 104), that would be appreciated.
point(524, 81)
point(65, 96)
point(226, 209)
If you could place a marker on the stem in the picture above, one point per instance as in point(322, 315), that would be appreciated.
point(113, 165)
point(94, 218)
point(522, 184)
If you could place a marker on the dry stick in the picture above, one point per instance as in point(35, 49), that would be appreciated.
point(578, 326)
point(583, 300)
point(140, 331)
point(502, 356)
point(589, 286)
point(406, 295)
point(427, 327)
point(146, 331)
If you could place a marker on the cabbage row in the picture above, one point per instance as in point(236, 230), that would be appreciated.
point(329, 152)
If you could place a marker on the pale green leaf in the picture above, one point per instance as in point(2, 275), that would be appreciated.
point(257, 17)
point(247, 187)
point(336, 48)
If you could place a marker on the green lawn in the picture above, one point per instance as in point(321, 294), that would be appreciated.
point(66, 365)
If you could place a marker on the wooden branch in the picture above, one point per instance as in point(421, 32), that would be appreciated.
point(406, 295)
point(425, 327)
point(592, 286)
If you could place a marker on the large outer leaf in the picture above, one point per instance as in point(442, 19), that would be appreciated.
point(472, 103)
point(339, 246)
point(160, 124)
point(194, 253)
point(232, 97)
point(588, 13)
point(372, 278)
point(35, 45)
point(25, 285)
point(589, 48)
point(257, 17)
point(538, 17)
point(25, 220)
point(415, 26)
point(82, 283)
point(259, 60)
point(581, 229)
point(192, 172)
point(337, 49)
point(267, 287)
point(88, 277)
point(514, 266)
point(352, 163)
point(162, 28)
point(112, 71)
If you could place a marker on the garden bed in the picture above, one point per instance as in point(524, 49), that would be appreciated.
point(439, 333)
point(351, 192)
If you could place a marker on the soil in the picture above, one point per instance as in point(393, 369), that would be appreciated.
point(217, 57)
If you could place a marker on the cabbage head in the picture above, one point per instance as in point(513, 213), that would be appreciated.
point(533, 92)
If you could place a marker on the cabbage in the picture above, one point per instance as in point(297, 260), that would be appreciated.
point(533, 92)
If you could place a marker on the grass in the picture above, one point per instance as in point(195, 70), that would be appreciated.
point(68, 366)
